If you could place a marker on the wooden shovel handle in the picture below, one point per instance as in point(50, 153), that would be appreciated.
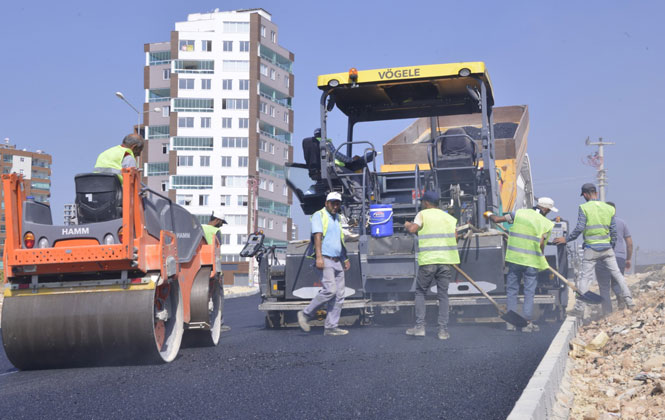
point(479, 289)
point(565, 280)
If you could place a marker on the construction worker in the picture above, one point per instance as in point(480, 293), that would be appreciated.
point(437, 251)
point(623, 249)
point(327, 246)
point(524, 256)
point(596, 221)
point(214, 225)
point(123, 156)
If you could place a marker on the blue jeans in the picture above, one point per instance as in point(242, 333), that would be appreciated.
point(530, 274)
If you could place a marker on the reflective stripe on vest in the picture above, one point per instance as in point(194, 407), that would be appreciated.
point(598, 219)
point(524, 238)
point(210, 232)
point(110, 160)
point(324, 221)
point(436, 239)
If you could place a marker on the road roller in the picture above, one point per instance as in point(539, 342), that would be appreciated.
point(124, 285)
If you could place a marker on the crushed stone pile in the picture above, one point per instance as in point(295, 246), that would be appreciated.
point(617, 363)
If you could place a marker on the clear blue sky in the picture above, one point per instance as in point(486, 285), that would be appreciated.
point(592, 68)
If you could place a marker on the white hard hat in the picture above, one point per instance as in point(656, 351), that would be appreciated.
point(334, 196)
point(218, 213)
point(547, 203)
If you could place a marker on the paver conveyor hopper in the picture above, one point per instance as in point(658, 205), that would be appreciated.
point(124, 285)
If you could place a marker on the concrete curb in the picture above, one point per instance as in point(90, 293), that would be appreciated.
point(230, 294)
point(539, 397)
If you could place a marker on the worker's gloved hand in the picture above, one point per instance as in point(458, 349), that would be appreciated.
point(488, 214)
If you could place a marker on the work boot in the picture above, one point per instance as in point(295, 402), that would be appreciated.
point(629, 302)
point(416, 331)
point(530, 327)
point(443, 334)
point(510, 327)
point(303, 321)
point(335, 331)
point(621, 304)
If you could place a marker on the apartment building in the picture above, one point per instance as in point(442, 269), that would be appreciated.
point(224, 85)
point(36, 170)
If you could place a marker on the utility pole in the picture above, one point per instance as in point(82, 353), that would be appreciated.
point(597, 160)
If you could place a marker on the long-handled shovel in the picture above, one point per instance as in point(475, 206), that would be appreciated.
point(588, 297)
point(510, 317)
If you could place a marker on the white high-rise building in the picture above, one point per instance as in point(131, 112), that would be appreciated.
point(225, 87)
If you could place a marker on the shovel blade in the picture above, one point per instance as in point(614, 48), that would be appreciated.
point(590, 297)
point(514, 318)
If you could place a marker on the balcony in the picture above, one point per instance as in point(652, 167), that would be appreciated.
point(157, 169)
point(273, 207)
point(158, 132)
point(159, 57)
point(274, 133)
point(194, 66)
point(191, 182)
point(275, 96)
point(276, 59)
point(272, 169)
point(159, 95)
point(193, 105)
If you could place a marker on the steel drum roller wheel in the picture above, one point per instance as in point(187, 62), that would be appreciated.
point(207, 305)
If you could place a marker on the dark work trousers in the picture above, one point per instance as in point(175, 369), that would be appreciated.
point(429, 275)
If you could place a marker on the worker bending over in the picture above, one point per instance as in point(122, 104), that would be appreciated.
point(524, 256)
point(214, 225)
point(596, 221)
point(327, 246)
point(116, 158)
point(437, 251)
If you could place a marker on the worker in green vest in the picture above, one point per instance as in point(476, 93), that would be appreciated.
point(214, 225)
point(595, 220)
point(123, 156)
point(524, 254)
point(437, 252)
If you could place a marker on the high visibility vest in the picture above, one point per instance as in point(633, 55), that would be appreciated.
point(210, 232)
point(598, 219)
point(337, 162)
point(110, 160)
point(436, 238)
point(524, 238)
point(325, 220)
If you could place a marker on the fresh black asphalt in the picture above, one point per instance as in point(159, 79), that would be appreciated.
point(373, 372)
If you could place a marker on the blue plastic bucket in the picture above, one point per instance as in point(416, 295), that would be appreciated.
point(381, 220)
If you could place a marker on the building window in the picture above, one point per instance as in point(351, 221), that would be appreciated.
point(186, 83)
point(243, 161)
point(271, 186)
point(226, 238)
point(206, 45)
point(236, 27)
point(272, 111)
point(233, 181)
point(287, 82)
point(263, 107)
point(205, 122)
point(184, 199)
point(285, 191)
point(185, 160)
point(273, 36)
point(165, 148)
point(263, 31)
point(227, 45)
point(206, 84)
point(286, 116)
point(235, 103)
point(243, 84)
point(226, 161)
point(186, 122)
point(166, 111)
point(234, 142)
point(285, 227)
point(272, 74)
point(264, 70)
point(204, 160)
point(227, 84)
point(186, 45)
point(166, 74)
point(164, 186)
point(244, 46)
point(242, 239)
point(243, 122)
point(242, 200)
point(192, 182)
point(271, 148)
point(286, 153)
point(262, 183)
point(203, 199)
point(235, 65)
point(225, 200)
point(271, 224)
point(227, 122)
point(262, 222)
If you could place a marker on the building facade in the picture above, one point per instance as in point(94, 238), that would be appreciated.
point(36, 170)
point(224, 85)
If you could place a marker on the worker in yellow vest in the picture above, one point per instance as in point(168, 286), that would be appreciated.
point(214, 225)
point(437, 251)
point(123, 156)
point(595, 220)
point(524, 255)
point(327, 247)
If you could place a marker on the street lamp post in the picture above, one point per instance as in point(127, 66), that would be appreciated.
point(138, 113)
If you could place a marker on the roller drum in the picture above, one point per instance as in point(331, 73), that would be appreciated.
point(206, 305)
point(83, 328)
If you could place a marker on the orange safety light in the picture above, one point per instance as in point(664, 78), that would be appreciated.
point(120, 235)
point(353, 75)
point(29, 240)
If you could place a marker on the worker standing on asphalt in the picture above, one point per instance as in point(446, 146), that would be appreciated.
point(210, 230)
point(596, 221)
point(112, 160)
point(524, 255)
point(437, 251)
point(327, 246)
point(623, 249)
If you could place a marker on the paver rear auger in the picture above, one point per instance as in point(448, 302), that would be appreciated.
point(122, 286)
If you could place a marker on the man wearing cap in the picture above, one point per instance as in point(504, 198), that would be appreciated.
point(524, 255)
point(327, 246)
point(596, 221)
point(214, 225)
point(437, 251)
